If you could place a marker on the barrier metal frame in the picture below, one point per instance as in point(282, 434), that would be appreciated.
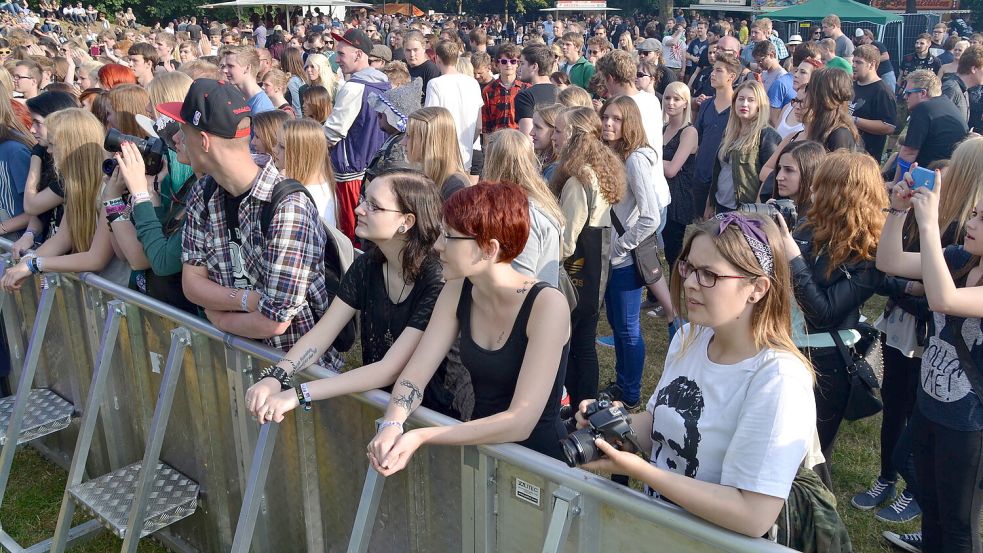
point(574, 509)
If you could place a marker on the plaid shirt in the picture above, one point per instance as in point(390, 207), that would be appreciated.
point(286, 265)
point(498, 111)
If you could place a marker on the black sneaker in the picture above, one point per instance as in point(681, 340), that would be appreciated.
point(907, 542)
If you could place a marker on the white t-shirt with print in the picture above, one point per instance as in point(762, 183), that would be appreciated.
point(746, 425)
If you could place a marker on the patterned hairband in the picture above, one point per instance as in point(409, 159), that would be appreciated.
point(401, 124)
point(754, 234)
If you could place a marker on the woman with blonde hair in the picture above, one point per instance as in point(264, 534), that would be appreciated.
point(75, 142)
point(318, 70)
point(589, 179)
point(574, 96)
point(749, 141)
point(275, 85)
point(510, 157)
point(680, 142)
point(431, 142)
point(167, 87)
point(832, 259)
point(128, 101)
point(315, 103)
point(543, 124)
point(266, 128)
point(302, 154)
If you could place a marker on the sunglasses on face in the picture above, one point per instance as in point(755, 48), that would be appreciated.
point(911, 91)
point(639, 75)
point(506, 61)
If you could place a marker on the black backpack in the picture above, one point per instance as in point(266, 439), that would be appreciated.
point(338, 253)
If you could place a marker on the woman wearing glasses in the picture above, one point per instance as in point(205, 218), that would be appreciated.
point(513, 331)
point(393, 287)
point(733, 414)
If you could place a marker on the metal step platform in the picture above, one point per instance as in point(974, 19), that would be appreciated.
point(173, 496)
point(46, 413)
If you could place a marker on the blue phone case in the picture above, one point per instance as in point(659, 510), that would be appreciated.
point(923, 177)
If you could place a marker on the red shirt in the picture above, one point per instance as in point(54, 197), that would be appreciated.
point(498, 111)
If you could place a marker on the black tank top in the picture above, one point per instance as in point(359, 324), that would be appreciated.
point(494, 373)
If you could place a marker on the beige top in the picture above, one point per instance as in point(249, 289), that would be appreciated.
point(573, 203)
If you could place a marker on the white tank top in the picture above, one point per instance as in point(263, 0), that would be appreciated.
point(784, 129)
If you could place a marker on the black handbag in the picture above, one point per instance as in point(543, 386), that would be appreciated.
point(646, 254)
point(864, 365)
point(587, 266)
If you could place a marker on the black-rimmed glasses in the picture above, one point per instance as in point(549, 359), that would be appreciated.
point(704, 277)
point(447, 237)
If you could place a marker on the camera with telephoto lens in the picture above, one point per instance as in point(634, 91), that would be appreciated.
point(605, 420)
point(152, 149)
point(783, 208)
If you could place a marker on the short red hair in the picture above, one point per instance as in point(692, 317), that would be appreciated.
point(113, 74)
point(491, 210)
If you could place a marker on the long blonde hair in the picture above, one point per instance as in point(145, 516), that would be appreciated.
point(771, 316)
point(128, 101)
point(325, 77)
point(77, 136)
point(11, 127)
point(745, 139)
point(431, 137)
point(679, 89)
point(305, 152)
point(962, 188)
point(846, 216)
point(168, 87)
point(510, 157)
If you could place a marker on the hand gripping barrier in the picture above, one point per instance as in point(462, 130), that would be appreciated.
point(132, 366)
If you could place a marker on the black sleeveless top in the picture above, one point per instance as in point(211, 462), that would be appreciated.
point(682, 209)
point(494, 373)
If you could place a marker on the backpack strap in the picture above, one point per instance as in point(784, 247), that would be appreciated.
point(281, 190)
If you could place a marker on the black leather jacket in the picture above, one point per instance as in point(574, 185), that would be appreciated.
point(830, 303)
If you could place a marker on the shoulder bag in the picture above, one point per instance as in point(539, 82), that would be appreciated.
point(645, 255)
point(864, 365)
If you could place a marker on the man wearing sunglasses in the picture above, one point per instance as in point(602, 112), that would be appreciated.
point(575, 64)
point(935, 125)
point(498, 109)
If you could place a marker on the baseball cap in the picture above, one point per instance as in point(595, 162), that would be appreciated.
point(356, 38)
point(215, 107)
point(858, 33)
point(795, 39)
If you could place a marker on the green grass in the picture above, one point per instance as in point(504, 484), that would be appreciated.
point(32, 502)
point(34, 494)
point(856, 460)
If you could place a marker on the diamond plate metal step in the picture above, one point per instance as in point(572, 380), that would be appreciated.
point(46, 413)
point(173, 497)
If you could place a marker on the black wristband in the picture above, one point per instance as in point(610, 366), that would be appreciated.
point(279, 374)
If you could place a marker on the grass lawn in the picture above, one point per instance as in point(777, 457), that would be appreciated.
point(34, 495)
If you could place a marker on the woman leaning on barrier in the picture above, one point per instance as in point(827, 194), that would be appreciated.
point(81, 243)
point(733, 415)
point(393, 287)
point(513, 331)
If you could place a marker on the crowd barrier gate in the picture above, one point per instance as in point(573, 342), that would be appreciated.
point(302, 485)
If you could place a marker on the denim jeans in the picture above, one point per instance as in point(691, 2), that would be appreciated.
point(623, 300)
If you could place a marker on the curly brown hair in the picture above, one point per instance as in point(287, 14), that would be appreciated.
point(846, 216)
point(586, 157)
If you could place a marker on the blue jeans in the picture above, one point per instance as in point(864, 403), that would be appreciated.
point(623, 300)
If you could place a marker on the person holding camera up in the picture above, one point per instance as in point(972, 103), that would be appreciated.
point(514, 333)
point(832, 260)
point(947, 425)
point(733, 414)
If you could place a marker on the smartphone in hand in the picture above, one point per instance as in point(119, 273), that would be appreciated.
point(923, 177)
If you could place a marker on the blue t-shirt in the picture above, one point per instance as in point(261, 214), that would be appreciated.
point(711, 126)
point(260, 103)
point(945, 395)
point(781, 91)
point(15, 160)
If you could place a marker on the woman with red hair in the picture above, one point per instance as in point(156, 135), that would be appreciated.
point(513, 329)
point(113, 74)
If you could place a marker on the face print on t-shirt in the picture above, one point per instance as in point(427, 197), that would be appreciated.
point(675, 446)
point(942, 376)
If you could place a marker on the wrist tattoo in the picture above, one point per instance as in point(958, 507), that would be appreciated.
point(306, 359)
point(406, 401)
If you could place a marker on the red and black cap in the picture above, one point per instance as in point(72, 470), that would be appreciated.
point(356, 38)
point(215, 107)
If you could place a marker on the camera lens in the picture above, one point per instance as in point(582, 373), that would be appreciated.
point(108, 166)
point(579, 448)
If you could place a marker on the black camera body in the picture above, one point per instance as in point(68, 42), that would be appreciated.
point(152, 149)
point(784, 208)
point(605, 420)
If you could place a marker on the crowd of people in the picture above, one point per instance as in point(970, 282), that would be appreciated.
point(509, 182)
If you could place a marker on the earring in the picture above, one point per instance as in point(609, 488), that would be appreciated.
point(402, 229)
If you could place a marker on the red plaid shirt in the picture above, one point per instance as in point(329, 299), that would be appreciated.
point(498, 111)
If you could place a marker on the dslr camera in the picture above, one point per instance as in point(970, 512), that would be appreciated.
point(152, 149)
point(783, 208)
point(605, 420)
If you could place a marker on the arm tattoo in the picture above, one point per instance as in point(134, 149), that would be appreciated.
point(407, 401)
point(305, 360)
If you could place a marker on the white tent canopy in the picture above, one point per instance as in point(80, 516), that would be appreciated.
point(255, 3)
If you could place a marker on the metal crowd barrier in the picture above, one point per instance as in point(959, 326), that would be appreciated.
point(148, 382)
